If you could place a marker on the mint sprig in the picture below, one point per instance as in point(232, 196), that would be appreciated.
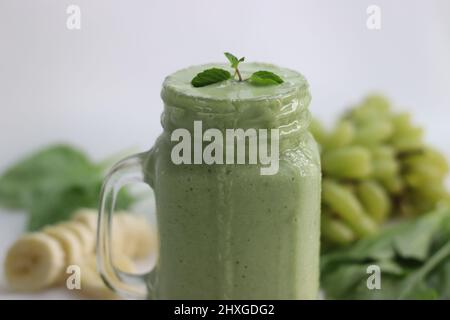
point(216, 75)
point(235, 63)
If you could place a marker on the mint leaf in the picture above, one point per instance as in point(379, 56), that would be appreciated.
point(235, 63)
point(214, 75)
point(233, 60)
point(210, 76)
point(265, 78)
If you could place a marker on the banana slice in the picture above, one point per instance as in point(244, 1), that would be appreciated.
point(88, 217)
point(85, 235)
point(92, 285)
point(70, 243)
point(131, 234)
point(139, 236)
point(119, 240)
point(35, 261)
point(146, 240)
point(125, 225)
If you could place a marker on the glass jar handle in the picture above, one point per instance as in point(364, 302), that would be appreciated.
point(127, 285)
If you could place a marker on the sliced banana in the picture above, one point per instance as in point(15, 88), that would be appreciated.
point(85, 235)
point(139, 236)
point(147, 241)
point(72, 247)
point(124, 224)
point(35, 261)
point(119, 241)
point(91, 283)
point(131, 234)
point(88, 217)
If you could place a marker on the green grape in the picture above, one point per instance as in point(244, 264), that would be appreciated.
point(351, 162)
point(374, 132)
point(410, 140)
point(318, 131)
point(385, 169)
point(427, 156)
point(438, 159)
point(424, 173)
point(382, 152)
point(341, 136)
point(393, 184)
point(345, 204)
point(431, 192)
point(402, 122)
point(336, 231)
point(374, 200)
point(362, 115)
point(378, 103)
point(420, 203)
point(373, 108)
point(406, 136)
point(375, 164)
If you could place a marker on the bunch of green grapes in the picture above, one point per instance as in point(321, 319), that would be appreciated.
point(375, 166)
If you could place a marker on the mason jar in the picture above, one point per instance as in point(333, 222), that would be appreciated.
point(230, 228)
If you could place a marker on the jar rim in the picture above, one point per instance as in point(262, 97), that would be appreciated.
point(177, 89)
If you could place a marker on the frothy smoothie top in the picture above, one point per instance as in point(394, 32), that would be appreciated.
point(179, 83)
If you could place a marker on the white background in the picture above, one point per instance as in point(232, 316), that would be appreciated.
point(99, 87)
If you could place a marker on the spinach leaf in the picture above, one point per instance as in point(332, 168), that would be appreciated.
point(416, 241)
point(413, 256)
point(410, 283)
point(53, 183)
point(36, 176)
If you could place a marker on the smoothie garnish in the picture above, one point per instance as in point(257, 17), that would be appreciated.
point(216, 75)
point(234, 63)
point(265, 78)
point(210, 76)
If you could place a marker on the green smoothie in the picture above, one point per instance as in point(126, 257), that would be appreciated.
point(226, 231)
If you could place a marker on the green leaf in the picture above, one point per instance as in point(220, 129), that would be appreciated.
point(413, 256)
point(210, 76)
point(440, 279)
point(340, 283)
point(60, 205)
point(52, 183)
point(265, 78)
point(41, 173)
point(415, 278)
point(233, 60)
point(415, 242)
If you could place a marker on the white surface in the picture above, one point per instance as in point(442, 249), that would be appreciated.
point(99, 87)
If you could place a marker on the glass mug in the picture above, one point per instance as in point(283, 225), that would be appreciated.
point(225, 230)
